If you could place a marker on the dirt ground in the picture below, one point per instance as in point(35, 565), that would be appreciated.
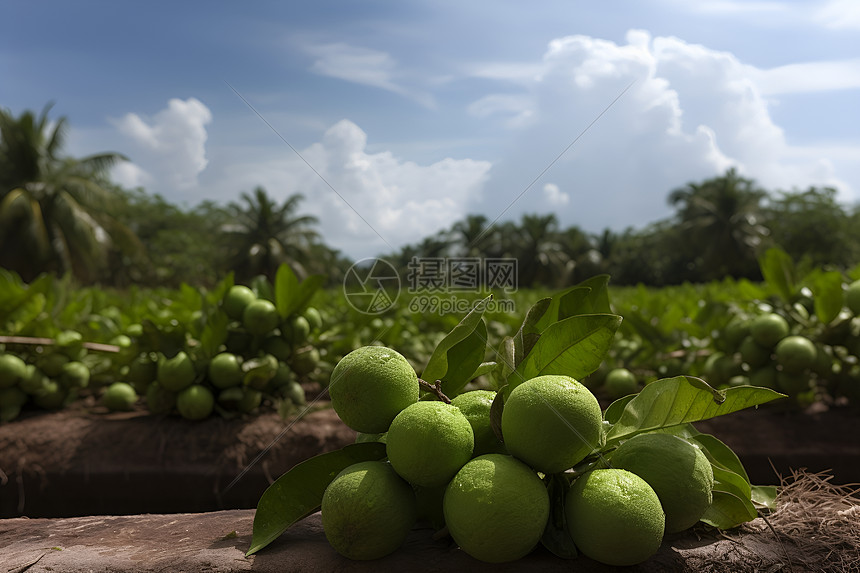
point(84, 461)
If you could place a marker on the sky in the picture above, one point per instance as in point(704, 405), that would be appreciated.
point(397, 119)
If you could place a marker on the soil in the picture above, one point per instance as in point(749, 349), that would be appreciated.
point(84, 461)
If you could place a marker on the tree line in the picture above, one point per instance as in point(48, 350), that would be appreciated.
point(63, 215)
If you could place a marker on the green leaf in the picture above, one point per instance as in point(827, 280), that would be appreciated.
point(214, 333)
point(307, 290)
point(728, 511)
point(528, 334)
point(286, 290)
point(596, 302)
point(764, 496)
point(827, 295)
point(673, 401)
point(573, 347)
point(720, 455)
point(506, 360)
point(298, 493)
point(463, 359)
point(778, 271)
point(483, 369)
point(613, 412)
point(438, 365)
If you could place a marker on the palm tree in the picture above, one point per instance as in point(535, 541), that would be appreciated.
point(265, 234)
point(472, 236)
point(720, 220)
point(541, 256)
point(53, 213)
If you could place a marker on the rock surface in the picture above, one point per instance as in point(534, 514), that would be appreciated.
point(217, 541)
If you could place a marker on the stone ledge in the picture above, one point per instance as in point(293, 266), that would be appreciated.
point(216, 542)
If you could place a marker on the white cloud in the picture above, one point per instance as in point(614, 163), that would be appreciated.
point(808, 77)
point(554, 195)
point(515, 108)
point(400, 200)
point(364, 66)
point(691, 113)
point(169, 150)
point(839, 15)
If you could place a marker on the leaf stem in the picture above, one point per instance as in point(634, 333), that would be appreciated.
point(435, 388)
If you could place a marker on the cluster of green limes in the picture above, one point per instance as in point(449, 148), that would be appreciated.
point(446, 464)
point(262, 356)
point(49, 378)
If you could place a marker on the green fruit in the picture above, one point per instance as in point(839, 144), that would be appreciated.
point(176, 373)
point(764, 377)
point(620, 382)
point(677, 471)
point(367, 511)
point(719, 368)
point(52, 396)
point(795, 353)
point(428, 442)
point(134, 330)
point(852, 297)
point(753, 353)
point(306, 360)
point(12, 370)
point(159, 400)
point(295, 392)
point(768, 329)
point(793, 383)
point(312, 315)
point(250, 401)
point(260, 317)
point(236, 300)
point(12, 397)
point(195, 402)
point(297, 329)
point(496, 508)
point(230, 397)
point(614, 517)
point(552, 422)
point(34, 381)
point(75, 375)
point(70, 343)
point(278, 347)
point(735, 332)
point(370, 386)
point(119, 396)
point(52, 364)
point(476, 405)
point(142, 371)
point(225, 371)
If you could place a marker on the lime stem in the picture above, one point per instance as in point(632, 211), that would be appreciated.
point(435, 388)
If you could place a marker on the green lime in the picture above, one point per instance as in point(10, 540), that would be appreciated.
point(614, 517)
point(312, 315)
point(367, 511)
point(796, 353)
point(476, 406)
point(119, 396)
point(75, 375)
point(496, 508)
point(852, 297)
point(142, 371)
point(297, 329)
point(176, 373)
point(260, 317)
point(236, 299)
point(677, 471)
point(768, 329)
point(160, 401)
point(225, 370)
point(552, 422)
point(195, 402)
point(12, 369)
point(754, 353)
point(620, 382)
point(52, 396)
point(370, 386)
point(428, 442)
point(305, 360)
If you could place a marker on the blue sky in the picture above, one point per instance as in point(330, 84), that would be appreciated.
point(418, 113)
